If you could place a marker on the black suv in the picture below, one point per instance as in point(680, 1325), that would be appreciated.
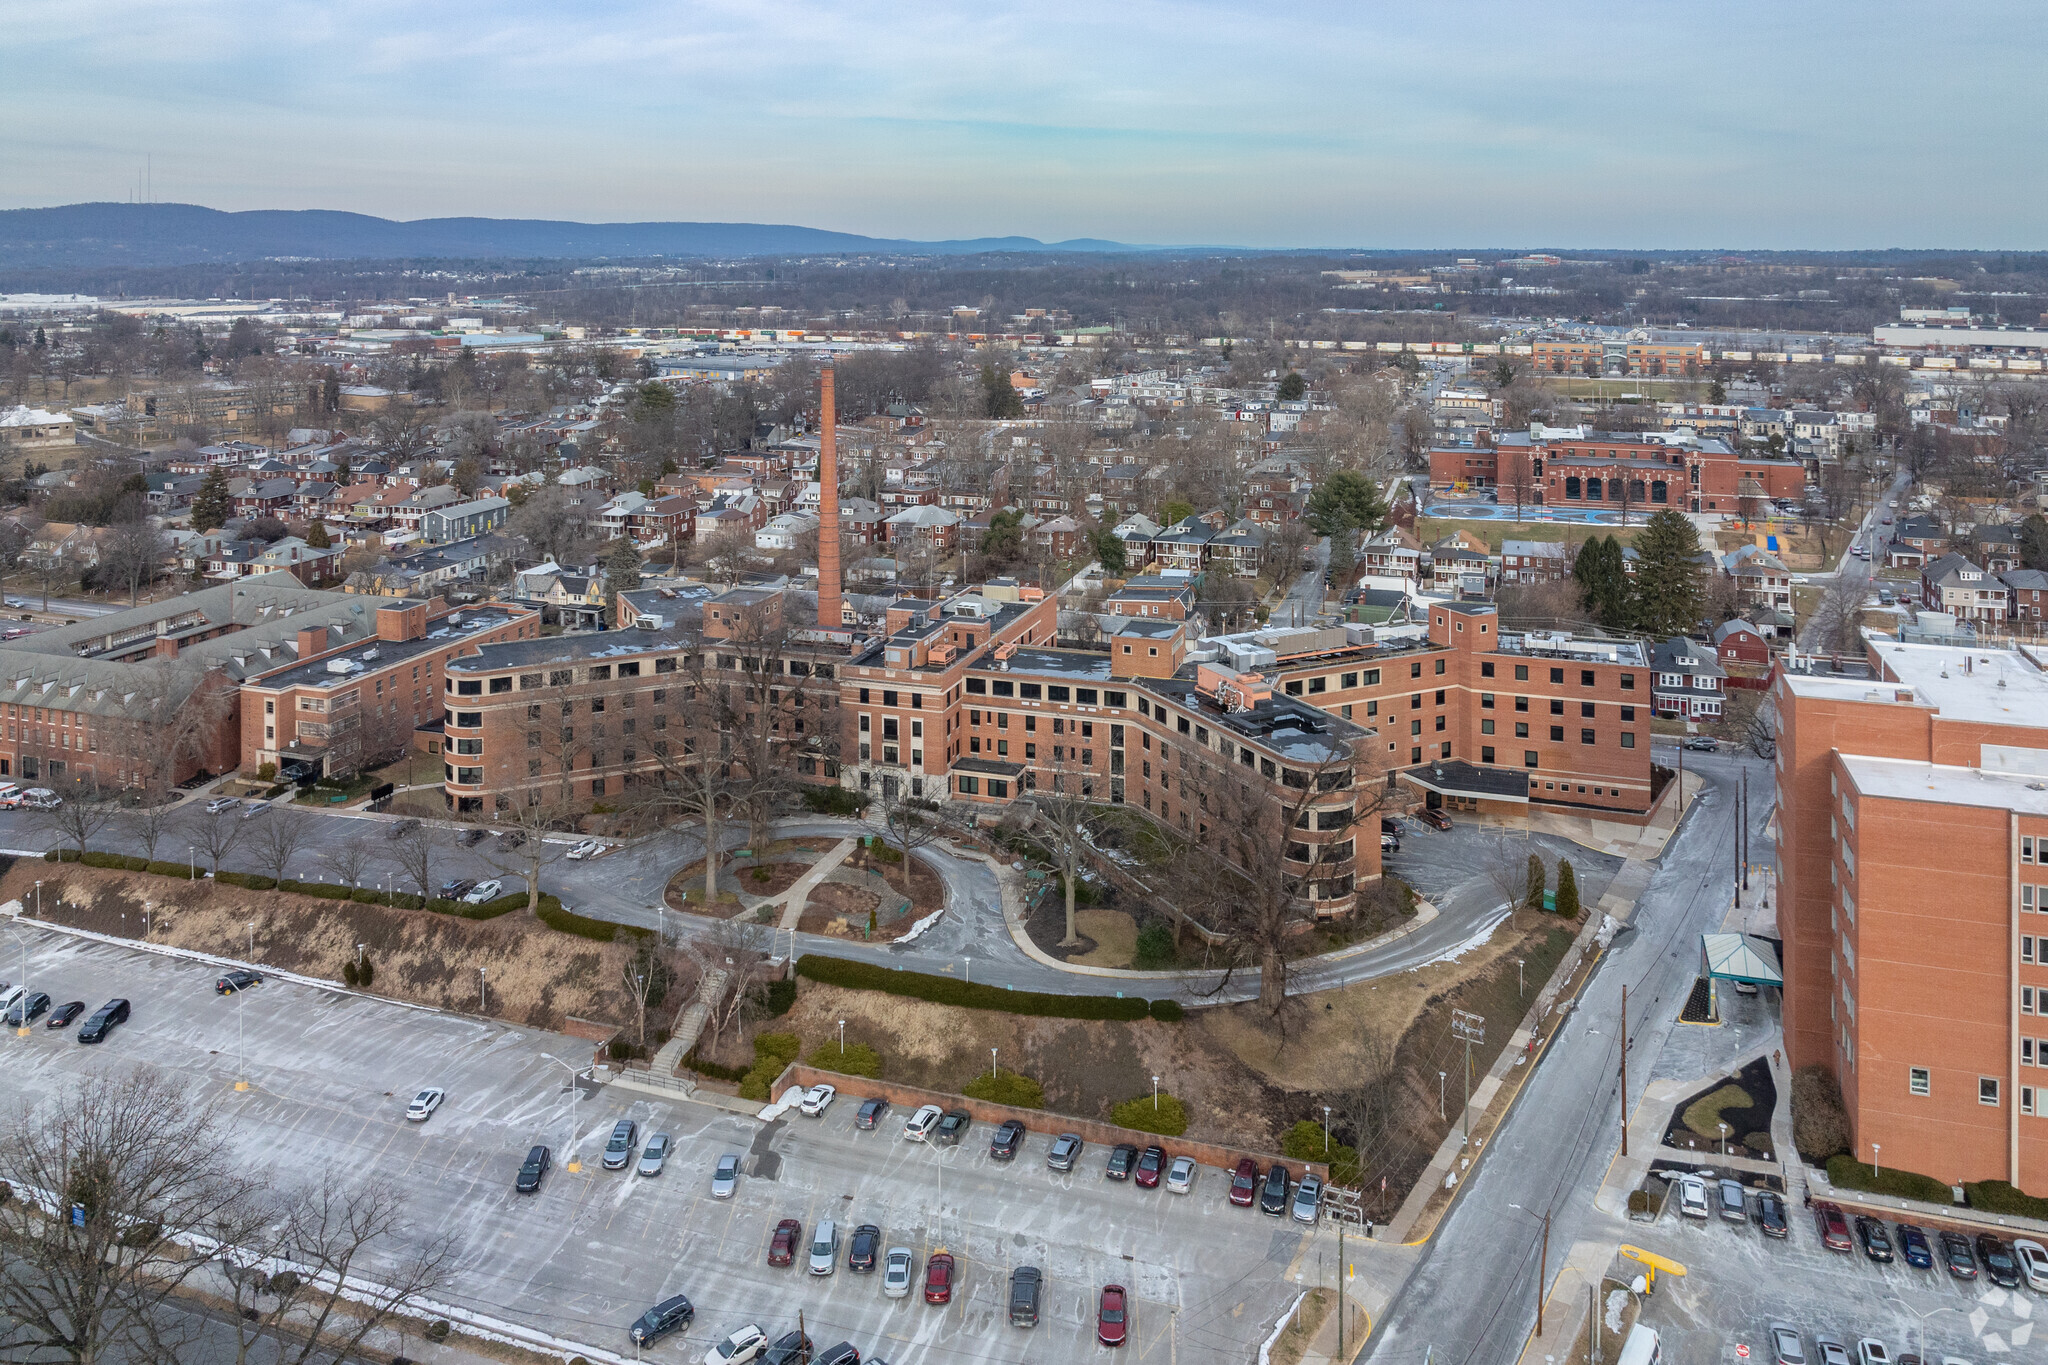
point(1273, 1196)
point(665, 1317)
point(1121, 1158)
point(1025, 1284)
point(102, 1023)
point(240, 979)
point(865, 1246)
point(1999, 1266)
point(870, 1113)
point(952, 1127)
point(1003, 1145)
point(27, 1009)
point(537, 1162)
point(791, 1348)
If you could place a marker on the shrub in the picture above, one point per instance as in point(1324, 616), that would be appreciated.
point(1567, 891)
point(267, 773)
point(772, 1052)
point(1639, 1201)
point(555, 917)
point(437, 1330)
point(1168, 1117)
point(284, 1282)
point(761, 874)
point(1995, 1196)
point(367, 972)
point(856, 1059)
point(248, 881)
point(714, 1070)
point(1155, 947)
point(834, 801)
point(1168, 1011)
point(781, 995)
point(348, 973)
point(1006, 1087)
point(1846, 1172)
point(183, 871)
point(945, 990)
point(94, 858)
point(1820, 1122)
point(1304, 1141)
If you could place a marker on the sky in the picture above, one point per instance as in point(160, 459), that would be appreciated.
point(1789, 124)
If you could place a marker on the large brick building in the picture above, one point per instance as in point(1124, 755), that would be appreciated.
point(1641, 471)
point(1930, 1006)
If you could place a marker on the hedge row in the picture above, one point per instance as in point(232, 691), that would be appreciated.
point(252, 881)
point(1163, 1114)
point(852, 1059)
point(1006, 1087)
point(569, 922)
point(1995, 1196)
point(772, 1053)
point(1847, 1173)
point(944, 990)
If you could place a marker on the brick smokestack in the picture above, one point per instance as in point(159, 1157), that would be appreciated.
point(828, 506)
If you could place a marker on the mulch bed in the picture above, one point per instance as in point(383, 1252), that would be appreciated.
point(1743, 1124)
point(833, 900)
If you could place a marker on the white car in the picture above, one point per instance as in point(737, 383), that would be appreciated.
point(483, 892)
point(255, 809)
point(654, 1154)
point(1871, 1351)
point(425, 1103)
point(2033, 1259)
point(1692, 1197)
point(589, 848)
point(818, 1099)
point(221, 803)
point(825, 1248)
point(897, 1271)
point(922, 1122)
point(741, 1346)
point(1180, 1177)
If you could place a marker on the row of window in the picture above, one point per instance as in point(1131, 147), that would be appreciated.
point(1031, 691)
point(558, 677)
point(1919, 1081)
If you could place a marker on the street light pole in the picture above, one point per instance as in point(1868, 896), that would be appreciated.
point(842, 1037)
point(1326, 1131)
point(1155, 1094)
point(992, 1064)
point(23, 1031)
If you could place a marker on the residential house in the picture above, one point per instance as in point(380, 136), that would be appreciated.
point(1996, 547)
point(1060, 537)
point(1170, 602)
point(933, 528)
point(463, 520)
point(1760, 576)
point(1916, 541)
point(1533, 561)
point(2026, 594)
point(1744, 652)
point(783, 533)
point(1242, 548)
point(1393, 553)
point(408, 514)
point(265, 498)
point(170, 492)
point(860, 520)
point(1184, 545)
point(1955, 585)
point(1686, 679)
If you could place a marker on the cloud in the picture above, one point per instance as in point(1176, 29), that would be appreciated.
point(1320, 124)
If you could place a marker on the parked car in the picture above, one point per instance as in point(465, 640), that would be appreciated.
point(1389, 825)
point(870, 1112)
point(618, 1152)
point(1150, 1163)
point(654, 1156)
point(1435, 819)
point(1834, 1228)
point(818, 1099)
point(1692, 1197)
point(725, 1177)
point(1066, 1150)
point(897, 1268)
point(2033, 1259)
point(1244, 1183)
point(471, 837)
point(1110, 1311)
point(1027, 1284)
point(26, 1010)
point(791, 1348)
point(1786, 1346)
point(424, 1104)
point(1770, 1214)
point(782, 1246)
point(588, 848)
point(842, 1354)
point(952, 1127)
point(220, 804)
point(455, 888)
point(65, 1013)
point(1121, 1158)
point(1703, 744)
point(1008, 1136)
point(96, 1029)
point(1876, 1245)
point(530, 1174)
point(1734, 1201)
point(254, 809)
point(1830, 1351)
point(738, 1347)
point(1180, 1177)
point(1999, 1266)
point(1955, 1254)
point(40, 798)
point(483, 893)
point(1913, 1245)
point(1273, 1194)
point(1390, 843)
point(865, 1250)
point(919, 1129)
point(511, 839)
point(1871, 1351)
point(670, 1315)
point(241, 978)
point(938, 1277)
point(400, 828)
point(824, 1247)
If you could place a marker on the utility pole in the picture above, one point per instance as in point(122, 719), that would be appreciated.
point(1340, 1290)
point(1624, 1070)
point(1542, 1272)
point(1472, 1029)
point(1745, 827)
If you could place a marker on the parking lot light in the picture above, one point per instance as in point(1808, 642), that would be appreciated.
point(1155, 1094)
point(1875, 1168)
point(842, 1037)
point(23, 1031)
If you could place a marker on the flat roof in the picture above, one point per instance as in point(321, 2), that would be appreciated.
point(1292, 729)
point(1898, 779)
point(389, 652)
point(562, 649)
point(1085, 665)
point(1987, 686)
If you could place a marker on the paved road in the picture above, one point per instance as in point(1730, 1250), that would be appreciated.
point(1303, 600)
point(66, 606)
point(1471, 1298)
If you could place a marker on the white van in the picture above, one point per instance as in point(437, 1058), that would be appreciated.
point(10, 795)
point(41, 798)
point(1641, 1348)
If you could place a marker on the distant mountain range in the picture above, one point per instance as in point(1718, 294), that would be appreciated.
point(188, 234)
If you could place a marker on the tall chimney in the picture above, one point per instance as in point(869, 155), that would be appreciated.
point(828, 506)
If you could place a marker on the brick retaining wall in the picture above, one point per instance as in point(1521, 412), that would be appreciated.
point(1043, 1121)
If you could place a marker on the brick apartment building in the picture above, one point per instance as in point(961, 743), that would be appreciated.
point(1932, 1009)
point(1580, 467)
point(1631, 357)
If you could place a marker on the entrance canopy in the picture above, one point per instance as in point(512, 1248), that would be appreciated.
point(1732, 957)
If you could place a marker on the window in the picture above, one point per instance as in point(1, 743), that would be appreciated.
point(503, 684)
point(2027, 849)
point(1585, 710)
point(1521, 729)
point(1521, 703)
point(1486, 753)
point(1486, 727)
point(1987, 1090)
point(1557, 675)
point(1628, 739)
point(1439, 667)
point(1586, 677)
point(1415, 728)
point(1628, 713)
point(470, 687)
point(1440, 697)
point(1528, 758)
point(1586, 737)
point(1485, 670)
point(1415, 669)
point(1557, 734)
point(2026, 1099)
point(1521, 672)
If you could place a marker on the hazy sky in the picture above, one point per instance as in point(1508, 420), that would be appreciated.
point(1423, 123)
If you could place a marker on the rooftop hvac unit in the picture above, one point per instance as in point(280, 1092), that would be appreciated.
point(341, 666)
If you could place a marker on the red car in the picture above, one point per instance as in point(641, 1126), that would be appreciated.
point(1435, 819)
point(782, 1246)
point(1244, 1186)
point(1109, 1318)
point(938, 1277)
point(1834, 1228)
point(1150, 1166)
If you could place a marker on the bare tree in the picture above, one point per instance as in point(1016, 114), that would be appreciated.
point(79, 816)
point(1066, 816)
point(150, 823)
point(280, 837)
point(102, 1182)
point(725, 947)
point(1507, 869)
point(521, 848)
point(1836, 624)
point(132, 553)
point(214, 835)
point(905, 822)
point(307, 1296)
point(349, 862)
point(413, 853)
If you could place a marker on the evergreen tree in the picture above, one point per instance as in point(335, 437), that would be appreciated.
point(1717, 392)
point(1668, 596)
point(1109, 551)
point(2034, 542)
point(621, 567)
point(1533, 898)
point(1175, 512)
point(317, 537)
point(1347, 501)
point(1567, 891)
point(1292, 387)
point(1602, 576)
point(212, 505)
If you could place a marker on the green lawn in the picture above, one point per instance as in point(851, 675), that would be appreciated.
point(1431, 529)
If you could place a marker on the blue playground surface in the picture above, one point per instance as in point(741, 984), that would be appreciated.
point(1488, 511)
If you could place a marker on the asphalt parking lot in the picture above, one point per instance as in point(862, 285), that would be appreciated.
point(331, 1072)
point(1738, 1282)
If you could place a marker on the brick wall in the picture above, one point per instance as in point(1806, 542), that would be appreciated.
point(910, 1098)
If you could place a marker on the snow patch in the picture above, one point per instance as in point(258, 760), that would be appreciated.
point(1477, 940)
